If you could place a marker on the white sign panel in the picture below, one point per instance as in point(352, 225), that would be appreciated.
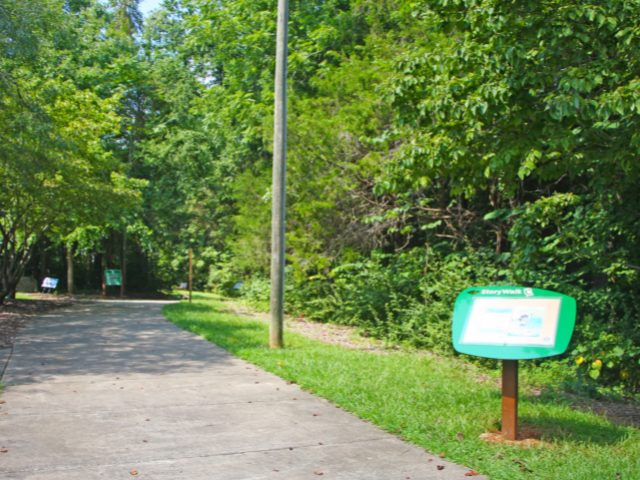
point(49, 282)
point(512, 322)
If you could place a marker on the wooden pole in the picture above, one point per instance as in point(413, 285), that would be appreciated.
point(190, 273)
point(103, 265)
point(123, 264)
point(70, 284)
point(510, 399)
point(278, 205)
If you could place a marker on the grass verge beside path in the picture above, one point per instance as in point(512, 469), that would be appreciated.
point(431, 401)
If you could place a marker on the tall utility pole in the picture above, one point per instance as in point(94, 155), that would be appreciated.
point(278, 189)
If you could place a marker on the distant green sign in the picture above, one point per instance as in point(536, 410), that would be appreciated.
point(113, 278)
point(512, 322)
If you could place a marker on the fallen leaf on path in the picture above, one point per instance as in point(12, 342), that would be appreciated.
point(318, 473)
point(440, 467)
point(133, 472)
point(4, 450)
point(471, 473)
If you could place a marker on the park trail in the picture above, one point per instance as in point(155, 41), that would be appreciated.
point(111, 390)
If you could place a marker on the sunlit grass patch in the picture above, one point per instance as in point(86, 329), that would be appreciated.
point(435, 402)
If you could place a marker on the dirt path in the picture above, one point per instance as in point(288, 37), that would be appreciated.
point(326, 332)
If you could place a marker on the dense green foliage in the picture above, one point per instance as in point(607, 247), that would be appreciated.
point(55, 173)
point(433, 144)
point(441, 144)
point(435, 402)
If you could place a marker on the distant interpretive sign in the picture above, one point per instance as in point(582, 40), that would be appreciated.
point(113, 278)
point(514, 323)
point(50, 283)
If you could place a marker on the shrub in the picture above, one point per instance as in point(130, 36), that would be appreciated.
point(405, 297)
point(578, 245)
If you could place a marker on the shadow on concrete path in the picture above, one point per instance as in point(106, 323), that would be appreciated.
point(104, 338)
point(111, 390)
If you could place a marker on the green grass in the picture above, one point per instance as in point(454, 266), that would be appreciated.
point(23, 296)
point(435, 402)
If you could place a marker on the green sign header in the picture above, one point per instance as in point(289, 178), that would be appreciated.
point(512, 322)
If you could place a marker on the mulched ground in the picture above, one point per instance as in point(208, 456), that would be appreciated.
point(344, 336)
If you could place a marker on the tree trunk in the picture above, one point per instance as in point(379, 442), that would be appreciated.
point(103, 261)
point(44, 267)
point(70, 282)
point(12, 265)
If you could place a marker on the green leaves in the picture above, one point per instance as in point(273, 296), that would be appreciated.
point(56, 174)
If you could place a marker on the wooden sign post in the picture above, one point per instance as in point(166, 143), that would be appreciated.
point(190, 273)
point(510, 399)
point(512, 323)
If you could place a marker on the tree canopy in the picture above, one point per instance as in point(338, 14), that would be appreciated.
point(434, 144)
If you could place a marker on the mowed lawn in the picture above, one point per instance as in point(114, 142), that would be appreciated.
point(442, 404)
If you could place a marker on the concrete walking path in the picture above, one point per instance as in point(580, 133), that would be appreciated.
point(110, 390)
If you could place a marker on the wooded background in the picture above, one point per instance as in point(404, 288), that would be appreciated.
point(433, 145)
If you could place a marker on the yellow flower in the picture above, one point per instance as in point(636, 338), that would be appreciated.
point(579, 360)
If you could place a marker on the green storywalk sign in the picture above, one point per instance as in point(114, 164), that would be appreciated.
point(113, 278)
point(512, 322)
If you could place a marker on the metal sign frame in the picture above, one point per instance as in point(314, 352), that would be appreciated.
point(512, 323)
point(514, 301)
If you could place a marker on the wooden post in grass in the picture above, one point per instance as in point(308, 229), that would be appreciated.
point(510, 399)
point(190, 273)
point(278, 190)
point(70, 284)
point(103, 267)
point(123, 263)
